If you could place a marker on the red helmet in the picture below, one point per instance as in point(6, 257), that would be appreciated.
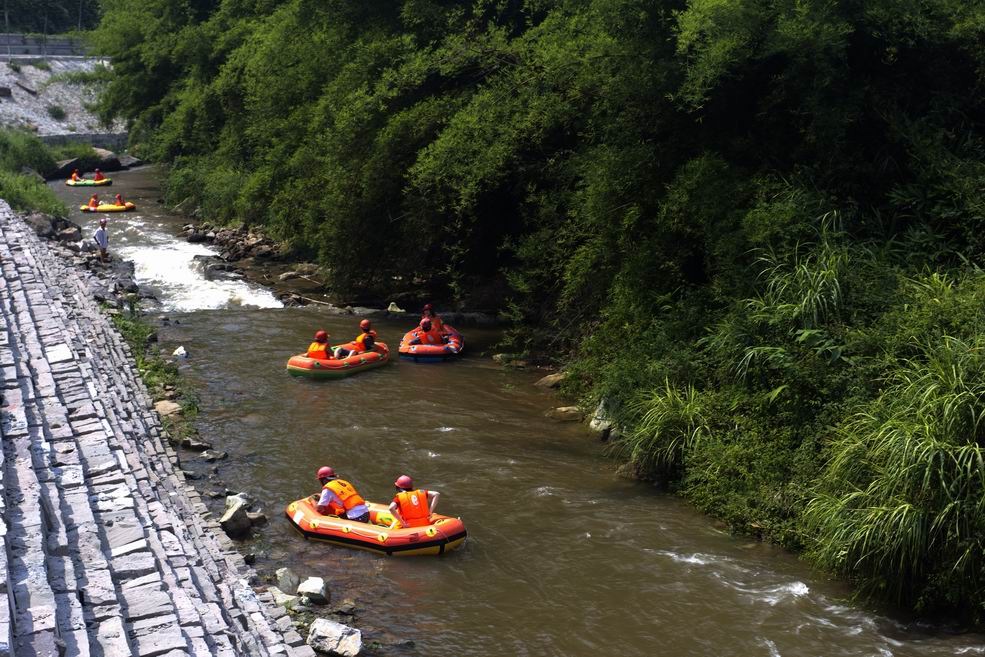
point(426, 324)
point(321, 336)
point(365, 324)
point(428, 306)
point(325, 472)
point(405, 482)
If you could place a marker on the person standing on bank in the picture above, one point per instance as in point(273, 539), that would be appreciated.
point(101, 238)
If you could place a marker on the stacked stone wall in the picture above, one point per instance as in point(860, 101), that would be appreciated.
point(105, 550)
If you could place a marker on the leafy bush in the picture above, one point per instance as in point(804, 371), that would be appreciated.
point(56, 112)
point(21, 149)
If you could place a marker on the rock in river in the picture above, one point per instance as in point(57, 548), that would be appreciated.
point(335, 638)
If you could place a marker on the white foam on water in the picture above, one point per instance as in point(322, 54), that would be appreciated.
point(446, 429)
point(774, 651)
point(694, 559)
point(167, 264)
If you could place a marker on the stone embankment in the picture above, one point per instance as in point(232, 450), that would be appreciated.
point(105, 550)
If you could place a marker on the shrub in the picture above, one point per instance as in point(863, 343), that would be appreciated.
point(56, 112)
point(21, 149)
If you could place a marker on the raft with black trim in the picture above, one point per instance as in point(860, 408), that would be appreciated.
point(109, 207)
point(432, 353)
point(105, 182)
point(444, 534)
point(332, 368)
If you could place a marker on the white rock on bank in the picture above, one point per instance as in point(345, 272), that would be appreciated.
point(315, 590)
point(564, 414)
point(235, 522)
point(165, 408)
point(283, 599)
point(335, 638)
point(287, 579)
point(180, 352)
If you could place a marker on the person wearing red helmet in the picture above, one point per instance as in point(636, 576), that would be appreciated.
point(426, 333)
point(93, 202)
point(410, 507)
point(119, 199)
point(98, 175)
point(366, 338)
point(428, 313)
point(339, 497)
point(75, 176)
point(319, 348)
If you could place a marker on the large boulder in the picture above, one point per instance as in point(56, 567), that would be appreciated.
point(63, 168)
point(334, 638)
point(108, 161)
point(44, 225)
point(166, 407)
point(235, 522)
point(129, 161)
point(70, 234)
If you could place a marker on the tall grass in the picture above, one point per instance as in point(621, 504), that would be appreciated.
point(21, 149)
point(672, 421)
point(25, 193)
point(900, 506)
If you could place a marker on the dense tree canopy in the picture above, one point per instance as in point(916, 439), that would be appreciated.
point(754, 226)
point(49, 16)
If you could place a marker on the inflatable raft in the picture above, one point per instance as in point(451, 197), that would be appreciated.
point(320, 368)
point(105, 182)
point(432, 353)
point(444, 534)
point(109, 207)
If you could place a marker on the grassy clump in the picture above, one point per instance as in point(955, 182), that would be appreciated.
point(27, 194)
point(56, 112)
point(40, 64)
point(160, 375)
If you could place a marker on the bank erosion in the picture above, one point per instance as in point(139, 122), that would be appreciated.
point(104, 548)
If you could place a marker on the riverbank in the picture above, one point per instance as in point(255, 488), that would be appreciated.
point(118, 557)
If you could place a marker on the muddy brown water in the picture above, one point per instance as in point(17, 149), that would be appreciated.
point(564, 557)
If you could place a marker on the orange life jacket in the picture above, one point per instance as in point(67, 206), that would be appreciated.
point(430, 337)
point(413, 508)
point(436, 323)
point(346, 492)
point(318, 350)
point(360, 341)
point(75, 177)
point(93, 203)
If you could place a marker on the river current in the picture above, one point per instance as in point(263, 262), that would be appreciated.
point(564, 557)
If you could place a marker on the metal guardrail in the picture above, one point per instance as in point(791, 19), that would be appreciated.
point(40, 45)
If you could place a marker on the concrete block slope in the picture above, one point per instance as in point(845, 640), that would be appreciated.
point(104, 549)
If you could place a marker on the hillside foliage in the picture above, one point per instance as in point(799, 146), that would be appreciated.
point(754, 228)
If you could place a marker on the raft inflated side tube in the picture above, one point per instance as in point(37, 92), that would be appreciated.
point(432, 353)
point(444, 534)
point(109, 207)
point(105, 182)
point(337, 368)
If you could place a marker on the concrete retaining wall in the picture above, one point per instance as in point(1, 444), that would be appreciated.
point(113, 141)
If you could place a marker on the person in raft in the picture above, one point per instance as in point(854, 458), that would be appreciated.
point(410, 507)
point(340, 498)
point(426, 334)
point(428, 313)
point(93, 201)
point(119, 199)
point(99, 175)
point(364, 341)
point(319, 348)
point(101, 237)
point(75, 176)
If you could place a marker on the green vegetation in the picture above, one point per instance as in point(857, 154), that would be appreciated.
point(161, 376)
point(751, 228)
point(20, 149)
point(57, 112)
point(40, 64)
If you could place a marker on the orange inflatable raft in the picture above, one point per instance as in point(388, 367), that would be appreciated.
point(337, 368)
point(432, 353)
point(444, 534)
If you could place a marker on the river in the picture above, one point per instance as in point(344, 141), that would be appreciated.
point(564, 557)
